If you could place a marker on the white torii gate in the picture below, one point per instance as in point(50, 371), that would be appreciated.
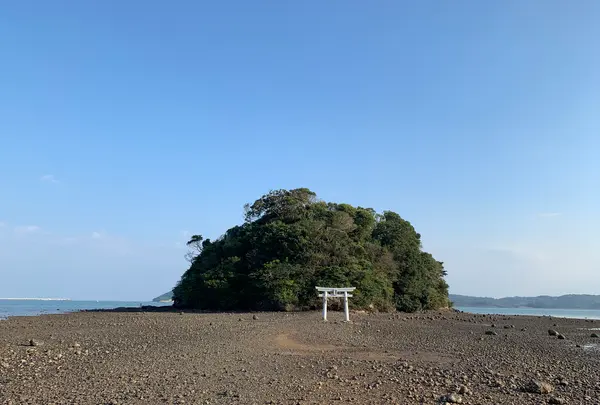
point(336, 292)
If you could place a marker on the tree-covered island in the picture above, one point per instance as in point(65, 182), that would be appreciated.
point(291, 242)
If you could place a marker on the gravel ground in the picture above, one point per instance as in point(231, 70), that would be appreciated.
point(295, 358)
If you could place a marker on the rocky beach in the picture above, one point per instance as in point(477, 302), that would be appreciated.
point(146, 357)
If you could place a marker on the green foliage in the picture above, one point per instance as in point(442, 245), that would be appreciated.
point(291, 242)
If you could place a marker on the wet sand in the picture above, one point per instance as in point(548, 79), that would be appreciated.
point(295, 358)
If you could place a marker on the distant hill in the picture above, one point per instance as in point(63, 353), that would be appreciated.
point(571, 301)
point(168, 296)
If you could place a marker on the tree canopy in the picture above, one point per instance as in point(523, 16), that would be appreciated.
point(291, 242)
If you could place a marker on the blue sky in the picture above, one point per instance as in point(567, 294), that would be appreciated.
point(125, 126)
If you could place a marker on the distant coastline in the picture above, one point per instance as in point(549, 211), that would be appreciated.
point(166, 297)
point(35, 299)
point(569, 301)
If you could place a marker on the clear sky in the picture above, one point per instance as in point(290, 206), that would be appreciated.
point(127, 125)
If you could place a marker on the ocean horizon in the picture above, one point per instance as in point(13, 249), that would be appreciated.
point(42, 306)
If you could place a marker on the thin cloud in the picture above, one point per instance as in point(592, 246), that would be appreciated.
point(548, 214)
point(49, 178)
point(96, 235)
point(27, 229)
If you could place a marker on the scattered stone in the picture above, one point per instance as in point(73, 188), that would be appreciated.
point(538, 387)
point(595, 335)
point(33, 342)
point(240, 363)
point(561, 337)
point(453, 399)
point(552, 332)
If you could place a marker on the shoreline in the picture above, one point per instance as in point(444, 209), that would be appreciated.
point(171, 309)
point(590, 314)
point(175, 357)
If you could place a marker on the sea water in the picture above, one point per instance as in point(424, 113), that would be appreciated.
point(558, 313)
point(30, 307)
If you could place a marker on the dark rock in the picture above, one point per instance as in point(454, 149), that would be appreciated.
point(561, 337)
point(464, 390)
point(33, 342)
point(595, 335)
point(255, 317)
point(552, 332)
point(538, 387)
point(490, 332)
point(556, 400)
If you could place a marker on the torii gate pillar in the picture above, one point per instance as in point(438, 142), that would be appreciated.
point(342, 292)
